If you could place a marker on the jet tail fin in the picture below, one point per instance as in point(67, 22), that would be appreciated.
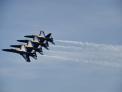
point(45, 44)
point(50, 38)
point(40, 50)
point(34, 55)
point(26, 57)
point(42, 33)
point(48, 35)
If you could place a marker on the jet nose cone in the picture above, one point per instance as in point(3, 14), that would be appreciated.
point(25, 36)
point(28, 36)
point(3, 49)
point(19, 40)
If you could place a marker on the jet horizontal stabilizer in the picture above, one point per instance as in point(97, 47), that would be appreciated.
point(53, 43)
point(48, 35)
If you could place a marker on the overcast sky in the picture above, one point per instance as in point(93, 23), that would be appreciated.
point(92, 21)
point(81, 20)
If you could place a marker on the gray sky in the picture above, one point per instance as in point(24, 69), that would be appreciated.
point(92, 21)
point(81, 20)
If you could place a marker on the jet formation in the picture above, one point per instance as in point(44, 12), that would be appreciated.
point(32, 46)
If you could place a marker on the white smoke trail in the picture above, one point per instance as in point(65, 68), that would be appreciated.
point(88, 44)
point(101, 54)
point(67, 47)
point(66, 41)
point(56, 57)
point(88, 61)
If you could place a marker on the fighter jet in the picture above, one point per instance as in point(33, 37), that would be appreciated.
point(30, 46)
point(42, 37)
point(23, 52)
point(36, 43)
